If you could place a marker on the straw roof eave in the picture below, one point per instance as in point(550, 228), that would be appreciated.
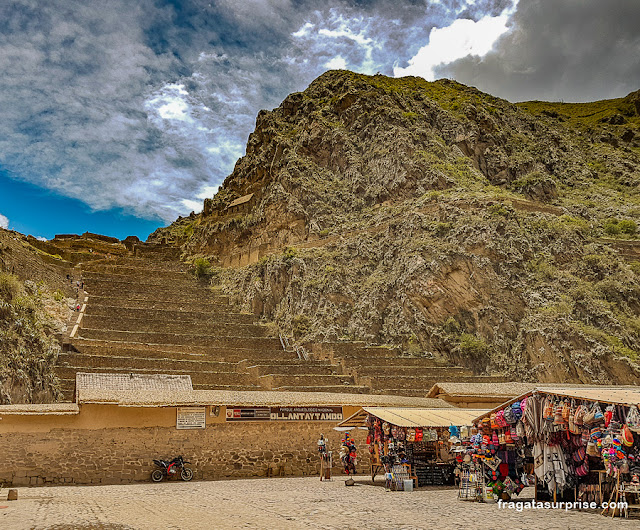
point(249, 398)
point(39, 409)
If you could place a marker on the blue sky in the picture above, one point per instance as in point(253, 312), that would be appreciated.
point(142, 108)
point(42, 213)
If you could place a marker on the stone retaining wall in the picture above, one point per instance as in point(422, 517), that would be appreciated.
point(120, 455)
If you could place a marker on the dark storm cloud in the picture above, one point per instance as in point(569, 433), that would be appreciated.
point(146, 105)
point(572, 50)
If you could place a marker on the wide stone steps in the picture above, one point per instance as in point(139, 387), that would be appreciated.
point(350, 349)
point(144, 363)
point(409, 392)
point(440, 372)
point(251, 355)
point(132, 266)
point(221, 341)
point(390, 362)
point(211, 378)
point(138, 276)
point(273, 381)
point(342, 389)
point(68, 386)
point(291, 368)
point(212, 328)
point(424, 383)
point(168, 315)
point(133, 290)
point(160, 280)
point(368, 355)
point(149, 302)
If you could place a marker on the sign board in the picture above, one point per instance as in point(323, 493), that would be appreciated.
point(248, 413)
point(306, 413)
point(191, 418)
point(284, 414)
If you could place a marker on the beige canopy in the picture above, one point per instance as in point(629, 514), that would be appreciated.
point(413, 417)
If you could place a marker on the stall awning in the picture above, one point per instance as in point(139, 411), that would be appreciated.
point(617, 395)
point(413, 417)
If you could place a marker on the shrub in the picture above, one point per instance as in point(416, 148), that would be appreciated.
point(627, 226)
point(473, 347)
point(10, 287)
point(301, 325)
point(451, 326)
point(202, 268)
point(611, 227)
point(442, 229)
point(413, 345)
point(499, 209)
point(289, 254)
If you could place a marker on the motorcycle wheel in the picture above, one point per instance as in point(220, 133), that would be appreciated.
point(156, 475)
point(186, 474)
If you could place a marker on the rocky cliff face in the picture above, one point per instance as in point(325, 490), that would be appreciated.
point(437, 217)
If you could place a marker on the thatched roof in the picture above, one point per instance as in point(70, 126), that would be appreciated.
point(488, 390)
point(248, 398)
point(36, 409)
point(132, 382)
point(241, 200)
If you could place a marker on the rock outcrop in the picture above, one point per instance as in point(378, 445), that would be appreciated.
point(439, 219)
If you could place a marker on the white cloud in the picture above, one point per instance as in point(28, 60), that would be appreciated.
point(303, 31)
point(194, 206)
point(207, 192)
point(40, 238)
point(462, 38)
point(354, 41)
point(337, 63)
point(170, 103)
point(4, 221)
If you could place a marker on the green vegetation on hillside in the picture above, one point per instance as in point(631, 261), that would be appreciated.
point(447, 221)
point(27, 349)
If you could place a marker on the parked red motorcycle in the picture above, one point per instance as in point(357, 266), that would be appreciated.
point(171, 468)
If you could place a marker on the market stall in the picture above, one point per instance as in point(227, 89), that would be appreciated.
point(414, 446)
point(579, 443)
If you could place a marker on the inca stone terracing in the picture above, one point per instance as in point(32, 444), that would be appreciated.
point(144, 313)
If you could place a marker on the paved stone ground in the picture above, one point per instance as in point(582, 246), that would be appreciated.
point(272, 503)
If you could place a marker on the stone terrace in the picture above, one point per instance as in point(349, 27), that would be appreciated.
point(145, 315)
point(387, 371)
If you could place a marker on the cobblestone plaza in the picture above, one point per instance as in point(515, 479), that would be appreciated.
point(273, 503)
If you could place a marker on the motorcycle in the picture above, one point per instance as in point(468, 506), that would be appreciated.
point(169, 468)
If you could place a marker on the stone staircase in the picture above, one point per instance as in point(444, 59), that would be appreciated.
point(145, 314)
point(386, 370)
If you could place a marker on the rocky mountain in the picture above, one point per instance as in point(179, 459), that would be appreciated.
point(499, 236)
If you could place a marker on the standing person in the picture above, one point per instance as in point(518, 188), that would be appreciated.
point(348, 454)
point(325, 459)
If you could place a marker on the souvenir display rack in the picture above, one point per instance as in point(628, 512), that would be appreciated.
point(585, 443)
point(420, 449)
point(472, 482)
